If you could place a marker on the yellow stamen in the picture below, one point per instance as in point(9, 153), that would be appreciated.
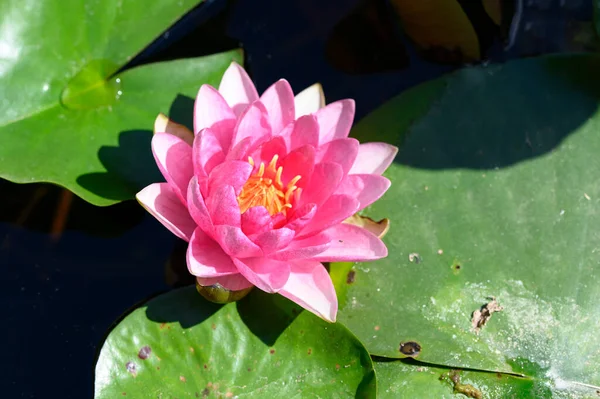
point(265, 188)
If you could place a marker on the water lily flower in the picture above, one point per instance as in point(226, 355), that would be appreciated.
point(262, 187)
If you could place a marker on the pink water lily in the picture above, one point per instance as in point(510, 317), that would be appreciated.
point(262, 188)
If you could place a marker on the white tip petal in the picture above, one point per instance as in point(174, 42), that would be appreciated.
point(237, 88)
point(309, 100)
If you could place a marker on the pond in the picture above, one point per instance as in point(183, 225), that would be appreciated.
point(72, 270)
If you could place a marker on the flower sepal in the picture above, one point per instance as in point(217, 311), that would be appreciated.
point(216, 293)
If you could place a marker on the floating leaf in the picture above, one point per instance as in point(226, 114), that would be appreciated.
point(440, 28)
point(67, 118)
point(494, 194)
point(493, 8)
point(180, 345)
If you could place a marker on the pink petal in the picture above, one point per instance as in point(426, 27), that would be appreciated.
point(299, 162)
point(223, 131)
point(207, 152)
point(267, 274)
point(340, 151)
point(223, 207)
point(309, 100)
point(351, 243)
point(266, 152)
point(197, 208)
point(279, 101)
point(279, 220)
point(174, 159)
point(366, 188)
point(310, 286)
point(273, 240)
point(335, 120)
point(373, 158)
point(335, 210)
point(301, 217)
point(240, 150)
point(253, 123)
point(235, 243)
point(210, 108)
point(304, 248)
point(237, 88)
point(230, 173)
point(232, 282)
point(305, 131)
point(162, 203)
point(205, 258)
point(323, 182)
point(256, 220)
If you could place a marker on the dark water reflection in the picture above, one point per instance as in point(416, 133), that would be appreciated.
point(60, 293)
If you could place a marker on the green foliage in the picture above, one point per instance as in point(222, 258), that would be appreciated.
point(67, 116)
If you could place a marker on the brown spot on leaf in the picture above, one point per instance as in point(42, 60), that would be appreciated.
point(410, 348)
point(337, 367)
point(213, 326)
point(376, 328)
point(205, 366)
point(271, 351)
point(249, 369)
point(309, 351)
point(205, 392)
point(350, 277)
point(144, 352)
point(456, 267)
point(182, 378)
point(191, 349)
point(131, 368)
point(465, 389)
point(229, 394)
point(483, 314)
point(414, 258)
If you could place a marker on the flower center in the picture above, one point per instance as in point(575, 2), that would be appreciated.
point(265, 188)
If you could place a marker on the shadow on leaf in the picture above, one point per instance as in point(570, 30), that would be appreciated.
point(491, 116)
point(184, 306)
point(267, 315)
point(130, 166)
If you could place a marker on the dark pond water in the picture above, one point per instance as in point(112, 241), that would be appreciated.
point(69, 269)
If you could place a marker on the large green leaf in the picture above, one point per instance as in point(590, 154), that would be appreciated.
point(62, 105)
point(179, 345)
point(495, 193)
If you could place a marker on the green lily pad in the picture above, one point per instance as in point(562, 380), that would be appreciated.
point(494, 194)
point(180, 345)
point(67, 118)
